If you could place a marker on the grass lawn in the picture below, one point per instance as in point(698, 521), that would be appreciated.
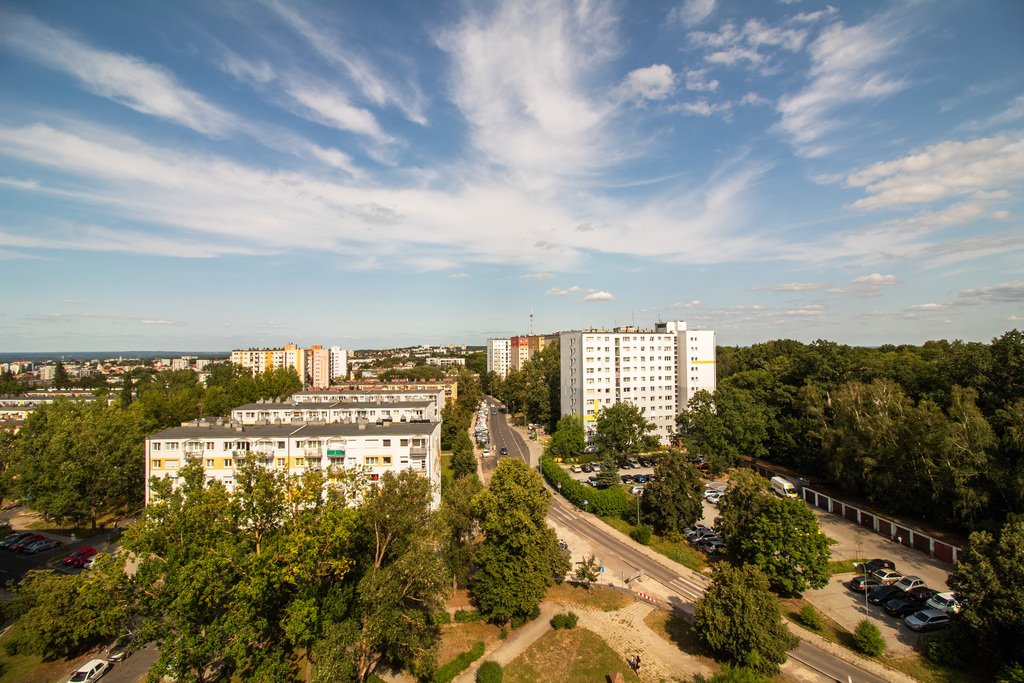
point(677, 551)
point(842, 566)
point(680, 633)
point(568, 656)
point(457, 638)
point(20, 668)
point(598, 597)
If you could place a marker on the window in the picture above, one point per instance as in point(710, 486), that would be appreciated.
point(158, 464)
point(386, 460)
point(209, 462)
point(387, 442)
point(228, 462)
point(280, 462)
point(280, 445)
point(403, 442)
point(172, 445)
point(156, 446)
point(210, 445)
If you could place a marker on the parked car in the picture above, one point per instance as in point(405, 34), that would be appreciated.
point(576, 469)
point(921, 594)
point(927, 620)
point(695, 529)
point(14, 538)
point(634, 463)
point(640, 479)
point(901, 607)
point(503, 451)
point(702, 536)
point(887, 576)
point(908, 582)
point(883, 594)
point(874, 565)
point(646, 462)
point(587, 467)
point(41, 546)
point(93, 670)
point(626, 479)
point(79, 556)
point(592, 479)
point(487, 452)
point(713, 497)
point(27, 540)
point(123, 646)
point(860, 584)
point(712, 546)
point(624, 465)
point(944, 602)
point(596, 466)
point(637, 490)
point(90, 561)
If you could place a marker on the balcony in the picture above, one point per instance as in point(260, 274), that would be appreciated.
point(418, 451)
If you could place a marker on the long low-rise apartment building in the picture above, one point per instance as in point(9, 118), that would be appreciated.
point(381, 393)
point(294, 449)
point(340, 411)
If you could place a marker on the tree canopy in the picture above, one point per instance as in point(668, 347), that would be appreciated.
point(673, 501)
point(569, 438)
point(621, 428)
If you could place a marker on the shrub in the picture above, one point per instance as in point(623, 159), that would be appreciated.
point(442, 618)
point(464, 616)
point(610, 502)
point(503, 634)
point(518, 621)
point(642, 534)
point(448, 672)
point(1011, 673)
point(810, 618)
point(565, 621)
point(737, 674)
point(868, 638)
point(945, 647)
point(489, 672)
point(15, 643)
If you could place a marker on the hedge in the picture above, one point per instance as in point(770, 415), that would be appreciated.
point(610, 502)
point(565, 621)
point(448, 672)
point(464, 616)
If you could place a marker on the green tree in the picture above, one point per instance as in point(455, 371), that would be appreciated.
point(460, 526)
point(127, 391)
point(784, 540)
point(989, 580)
point(80, 461)
point(10, 386)
point(60, 377)
point(569, 439)
point(703, 432)
point(587, 571)
point(463, 460)
point(748, 494)
point(739, 619)
point(609, 474)
point(737, 674)
point(622, 428)
point(519, 556)
point(868, 638)
point(674, 500)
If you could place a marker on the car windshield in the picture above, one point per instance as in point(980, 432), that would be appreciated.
point(80, 676)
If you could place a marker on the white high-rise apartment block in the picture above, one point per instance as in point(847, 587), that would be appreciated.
point(339, 362)
point(499, 356)
point(657, 370)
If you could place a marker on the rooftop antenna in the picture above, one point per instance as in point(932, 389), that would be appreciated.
point(531, 322)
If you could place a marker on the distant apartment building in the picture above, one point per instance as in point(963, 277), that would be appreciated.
point(499, 356)
point(379, 393)
point(14, 410)
point(315, 366)
point(371, 449)
point(180, 363)
point(318, 367)
point(447, 362)
point(339, 363)
point(658, 371)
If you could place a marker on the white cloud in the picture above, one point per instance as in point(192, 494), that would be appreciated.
point(537, 276)
point(520, 78)
point(927, 307)
point(1007, 292)
point(752, 44)
point(135, 83)
point(460, 276)
point(376, 87)
point(795, 287)
point(19, 184)
point(753, 99)
point(696, 79)
point(848, 66)
point(692, 12)
point(599, 296)
point(555, 291)
point(259, 71)
point(876, 279)
point(702, 107)
point(653, 82)
point(942, 171)
point(157, 322)
point(330, 107)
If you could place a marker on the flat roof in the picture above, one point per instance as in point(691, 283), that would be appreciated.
point(336, 404)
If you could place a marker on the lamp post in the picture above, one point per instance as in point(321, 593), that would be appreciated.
point(638, 507)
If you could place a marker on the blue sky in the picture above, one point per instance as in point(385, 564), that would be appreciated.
point(209, 175)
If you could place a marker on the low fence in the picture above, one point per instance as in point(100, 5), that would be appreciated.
point(913, 538)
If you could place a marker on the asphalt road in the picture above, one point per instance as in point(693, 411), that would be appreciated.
point(622, 562)
point(503, 436)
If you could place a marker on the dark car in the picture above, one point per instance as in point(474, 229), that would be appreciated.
point(623, 465)
point(640, 479)
point(587, 467)
point(712, 546)
point(921, 594)
point(27, 540)
point(884, 594)
point(121, 648)
point(872, 565)
point(14, 538)
point(861, 584)
point(626, 479)
point(503, 451)
point(701, 536)
point(646, 462)
point(652, 478)
point(901, 607)
point(690, 532)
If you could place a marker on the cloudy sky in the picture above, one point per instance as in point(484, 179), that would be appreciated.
point(207, 175)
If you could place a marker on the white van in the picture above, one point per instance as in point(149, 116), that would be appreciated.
point(783, 488)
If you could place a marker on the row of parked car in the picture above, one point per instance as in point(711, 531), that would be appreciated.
point(707, 540)
point(28, 542)
point(922, 608)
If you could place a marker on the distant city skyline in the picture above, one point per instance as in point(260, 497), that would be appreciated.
point(211, 176)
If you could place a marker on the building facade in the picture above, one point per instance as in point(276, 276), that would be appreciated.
point(449, 362)
point(318, 367)
point(293, 449)
point(658, 371)
point(339, 363)
point(499, 356)
point(289, 412)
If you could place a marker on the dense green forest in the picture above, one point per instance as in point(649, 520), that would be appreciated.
point(935, 431)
